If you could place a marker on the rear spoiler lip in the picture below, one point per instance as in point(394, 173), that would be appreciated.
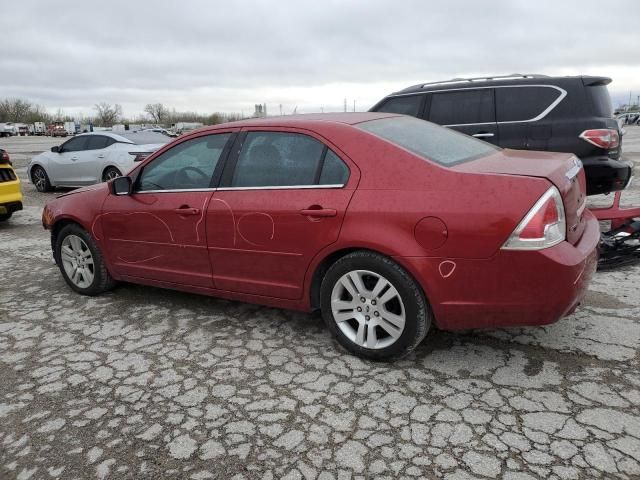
point(595, 81)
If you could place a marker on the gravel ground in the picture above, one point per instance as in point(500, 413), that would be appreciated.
point(148, 383)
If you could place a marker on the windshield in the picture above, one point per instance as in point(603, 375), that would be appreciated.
point(601, 101)
point(428, 140)
point(144, 138)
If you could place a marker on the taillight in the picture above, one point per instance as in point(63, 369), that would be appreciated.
point(139, 156)
point(543, 227)
point(602, 137)
point(4, 157)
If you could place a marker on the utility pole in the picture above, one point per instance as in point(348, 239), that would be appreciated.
point(345, 104)
point(629, 104)
point(280, 109)
point(354, 105)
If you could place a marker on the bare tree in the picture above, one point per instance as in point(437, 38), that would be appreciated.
point(157, 111)
point(14, 110)
point(107, 114)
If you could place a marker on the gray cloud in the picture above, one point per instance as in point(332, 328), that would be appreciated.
point(208, 56)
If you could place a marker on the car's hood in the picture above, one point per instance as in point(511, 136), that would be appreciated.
point(90, 188)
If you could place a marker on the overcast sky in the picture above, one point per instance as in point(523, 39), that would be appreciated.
point(208, 56)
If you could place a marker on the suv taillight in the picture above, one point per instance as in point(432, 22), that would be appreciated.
point(602, 137)
point(543, 227)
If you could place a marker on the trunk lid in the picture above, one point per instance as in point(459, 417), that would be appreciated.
point(563, 170)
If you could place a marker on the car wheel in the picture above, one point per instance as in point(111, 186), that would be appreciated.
point(373, 306)
point(40, 179)
point(5, 216)
point(81, 262)
point(110, 173)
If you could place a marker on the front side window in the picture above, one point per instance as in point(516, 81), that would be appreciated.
point(188, 165)
point(462, 107)
point(406, 105)
point(277, 159)
point(432, 142)
point(518, 104)
point(76, 144)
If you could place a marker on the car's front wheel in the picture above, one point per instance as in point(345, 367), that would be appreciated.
point(373, 306)
point(81, 262)
point(40, 179)
point(110, 173)
point(5, 216)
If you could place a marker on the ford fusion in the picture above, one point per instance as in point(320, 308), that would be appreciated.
point(388, 224)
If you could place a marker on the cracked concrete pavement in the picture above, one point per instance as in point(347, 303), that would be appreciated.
point(148, 383)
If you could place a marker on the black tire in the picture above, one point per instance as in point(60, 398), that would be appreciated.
point(110, 173)
point(42, 184)
point(102, 280)
point(5, 216)
point(418, 316)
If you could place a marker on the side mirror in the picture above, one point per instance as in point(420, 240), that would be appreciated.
point(121, 186)
point(55, 149)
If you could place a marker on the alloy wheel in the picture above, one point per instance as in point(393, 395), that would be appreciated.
point(368, 309)
point(111, 174)
point(40, 179)
point(77, 261)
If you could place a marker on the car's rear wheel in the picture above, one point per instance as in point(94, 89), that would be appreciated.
point(373, 306)
point(40, 179)
point(81, 262)
point(110, 173)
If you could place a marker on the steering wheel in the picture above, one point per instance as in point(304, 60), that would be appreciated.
point(183, 179)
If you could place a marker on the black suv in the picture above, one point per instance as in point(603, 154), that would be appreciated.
point(528, 112)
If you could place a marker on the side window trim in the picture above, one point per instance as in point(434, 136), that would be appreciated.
point(234, 155)
point(215, 177)
point(543, 114)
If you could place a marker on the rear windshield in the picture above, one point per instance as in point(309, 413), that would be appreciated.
point(601, 101)
point(428, 140)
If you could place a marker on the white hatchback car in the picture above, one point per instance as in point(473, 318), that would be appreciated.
point(91, 158)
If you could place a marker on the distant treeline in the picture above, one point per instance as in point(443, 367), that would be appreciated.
point(18, 110)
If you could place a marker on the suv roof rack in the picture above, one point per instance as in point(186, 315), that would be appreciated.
point(512, 76)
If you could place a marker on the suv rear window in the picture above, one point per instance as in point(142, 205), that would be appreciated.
point(517, 104)
point(600, 100)
point(432, 142)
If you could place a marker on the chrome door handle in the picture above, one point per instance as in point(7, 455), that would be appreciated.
point(74, 158)
point(319, 212)
point(482, 135)
point(101, 156)
point(186, 210)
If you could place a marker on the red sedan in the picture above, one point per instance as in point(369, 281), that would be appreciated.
point(388, 224)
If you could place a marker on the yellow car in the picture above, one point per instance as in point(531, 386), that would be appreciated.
point(10, 194)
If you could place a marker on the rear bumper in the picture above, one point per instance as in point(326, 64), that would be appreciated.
point(512, 288)
point(605, 174)
point(10, 197)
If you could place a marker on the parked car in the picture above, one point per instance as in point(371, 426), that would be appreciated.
point(528, 112)
point(10, 193)
point(388, 224)
point(8, 129)
point(90, 158)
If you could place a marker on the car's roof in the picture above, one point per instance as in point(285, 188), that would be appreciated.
point(515, 79)
point(303, 120)
point(138, 138)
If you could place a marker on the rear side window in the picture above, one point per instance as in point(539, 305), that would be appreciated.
point(277, 159)
point(432, 142)
point(462, 107)
point(407, 105)
point(334, 171)
point(600, 101)
point(97, 142)
point(517, 104)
